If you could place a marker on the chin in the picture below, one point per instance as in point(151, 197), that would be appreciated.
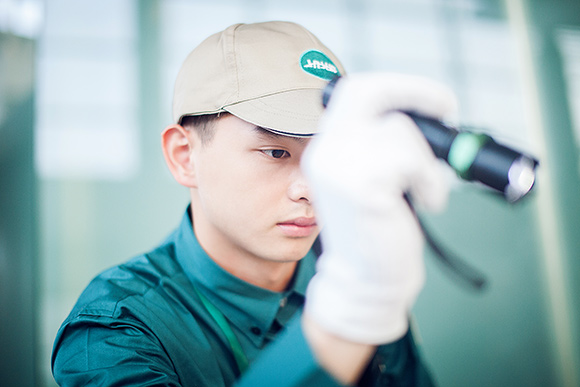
point(294, 251)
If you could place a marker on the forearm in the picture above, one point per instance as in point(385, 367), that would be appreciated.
point(343, 359)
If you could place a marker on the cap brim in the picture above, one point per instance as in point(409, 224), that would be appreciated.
point(291, 113)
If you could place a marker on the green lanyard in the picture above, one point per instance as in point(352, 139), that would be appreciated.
point(238, 352)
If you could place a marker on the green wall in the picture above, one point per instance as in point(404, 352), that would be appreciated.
point(18, 216)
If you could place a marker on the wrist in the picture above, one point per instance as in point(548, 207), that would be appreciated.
point(362, 311)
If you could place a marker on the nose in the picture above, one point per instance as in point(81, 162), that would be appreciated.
point(298, 189)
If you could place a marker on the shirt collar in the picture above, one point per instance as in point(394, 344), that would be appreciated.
point(248, 307)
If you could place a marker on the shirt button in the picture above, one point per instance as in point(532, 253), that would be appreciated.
point(255, 330)
point(283, 302)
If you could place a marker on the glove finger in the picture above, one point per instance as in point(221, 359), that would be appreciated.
point(372, 95)
point(425, 178)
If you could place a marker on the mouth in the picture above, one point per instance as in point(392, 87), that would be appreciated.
point(299, 227)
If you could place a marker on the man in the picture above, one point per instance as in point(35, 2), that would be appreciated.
point(221, 301)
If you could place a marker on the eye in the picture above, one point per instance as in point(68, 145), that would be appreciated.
point(276, 153)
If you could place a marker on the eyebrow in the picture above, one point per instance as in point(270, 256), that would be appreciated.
point(267, 134)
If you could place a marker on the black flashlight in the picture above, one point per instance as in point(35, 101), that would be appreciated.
point(474, 156)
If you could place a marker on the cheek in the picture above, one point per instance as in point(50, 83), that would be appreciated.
point(239, 190)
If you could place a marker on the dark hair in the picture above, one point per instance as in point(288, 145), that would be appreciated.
point(203, 125)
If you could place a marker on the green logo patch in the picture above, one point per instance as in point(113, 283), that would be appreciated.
point(316, 63)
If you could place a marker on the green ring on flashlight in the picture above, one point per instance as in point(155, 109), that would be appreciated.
point(463, 151)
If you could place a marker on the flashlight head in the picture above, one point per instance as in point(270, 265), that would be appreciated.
point(521, 178)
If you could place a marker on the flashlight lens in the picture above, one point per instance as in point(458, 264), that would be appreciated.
point(521, 177)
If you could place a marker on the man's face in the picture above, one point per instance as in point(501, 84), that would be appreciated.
point(251, 200)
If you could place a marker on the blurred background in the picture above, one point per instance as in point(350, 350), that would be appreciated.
point(85, 91)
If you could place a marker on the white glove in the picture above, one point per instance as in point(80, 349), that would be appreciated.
point(366, 156)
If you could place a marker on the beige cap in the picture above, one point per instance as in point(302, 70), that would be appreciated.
point(269, 74)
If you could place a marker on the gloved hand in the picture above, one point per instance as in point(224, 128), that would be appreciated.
point(366, 156)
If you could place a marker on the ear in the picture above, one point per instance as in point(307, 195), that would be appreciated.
point(177, 144)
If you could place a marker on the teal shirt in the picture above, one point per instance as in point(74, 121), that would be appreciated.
point(142, 324)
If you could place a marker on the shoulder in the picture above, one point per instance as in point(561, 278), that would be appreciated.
point(111, 335)
point(127, 283)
